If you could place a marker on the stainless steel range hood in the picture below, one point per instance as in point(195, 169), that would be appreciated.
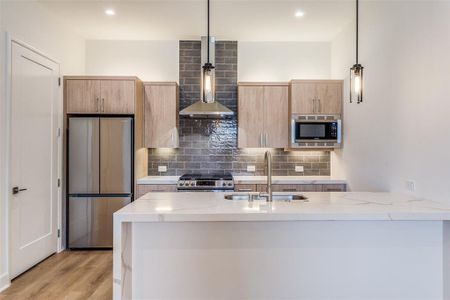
point(202, 109)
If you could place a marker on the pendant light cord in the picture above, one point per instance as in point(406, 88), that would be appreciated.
point(357, 28)
point(208, 31)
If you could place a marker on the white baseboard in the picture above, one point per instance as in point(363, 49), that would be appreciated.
point(4, 281)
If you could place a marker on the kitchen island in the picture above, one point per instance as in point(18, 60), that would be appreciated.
point(334, 246)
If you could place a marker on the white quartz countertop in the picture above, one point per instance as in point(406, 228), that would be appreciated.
point(208, 206)
point(252, 180)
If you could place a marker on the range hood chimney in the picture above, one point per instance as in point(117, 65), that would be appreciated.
point(207, 107)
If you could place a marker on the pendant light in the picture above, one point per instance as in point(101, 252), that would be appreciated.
point(356, 72)
point(208, 73)
point(207, 107)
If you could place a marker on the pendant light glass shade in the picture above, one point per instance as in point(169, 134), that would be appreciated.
point(356, 83)
point(208, 83)
point(356, 72)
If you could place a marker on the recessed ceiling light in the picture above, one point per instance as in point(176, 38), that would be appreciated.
point(110, 12)
point(299, 14)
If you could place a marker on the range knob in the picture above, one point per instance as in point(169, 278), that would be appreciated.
point(181, 183)
point(192, 183)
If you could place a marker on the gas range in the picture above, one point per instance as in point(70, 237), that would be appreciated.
point(206, 182)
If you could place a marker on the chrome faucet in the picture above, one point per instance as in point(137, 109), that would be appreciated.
point(268, 161)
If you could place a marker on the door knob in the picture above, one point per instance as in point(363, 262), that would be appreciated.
point(16, 190)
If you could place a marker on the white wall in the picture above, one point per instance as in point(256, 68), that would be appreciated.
point(401, 131)
point(29, 22)
point(148, 60)
point(283, 61)
point(257, 61)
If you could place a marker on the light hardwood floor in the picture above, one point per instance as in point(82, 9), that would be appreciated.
point(67, 275)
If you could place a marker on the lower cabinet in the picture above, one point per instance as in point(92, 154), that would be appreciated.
point(334, 188)
point(245, 188)
point(291, 188)
point(143, 189)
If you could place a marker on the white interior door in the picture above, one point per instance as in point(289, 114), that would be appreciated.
point(33, 158)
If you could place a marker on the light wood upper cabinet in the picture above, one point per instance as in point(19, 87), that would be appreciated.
point(329, 98)
point(117, 96)
point(262, 115)
point(100, 95)
point(161, 115)
point(316, 97)
point(250, 116)
point(303, 97)
point(275, 116)
point(83, 96)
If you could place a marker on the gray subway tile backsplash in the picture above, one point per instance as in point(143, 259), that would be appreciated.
point(211, 145)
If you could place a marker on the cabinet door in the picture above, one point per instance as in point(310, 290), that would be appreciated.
point(309, 187)
point(276, 116)
point(160, 118)
point(245, 188)
point(83, 96)
point(117, 96)
point(143, 189)
point(303, 98)
point(329, 98)
point(291, 187)
point(334, 188)
point(284, 188)
point(250, 116)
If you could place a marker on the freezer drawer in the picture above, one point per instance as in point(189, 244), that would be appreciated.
point(91, 220)
point(115, 155)
point(84, 155)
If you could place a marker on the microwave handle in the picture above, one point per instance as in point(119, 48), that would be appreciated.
point(339, 131)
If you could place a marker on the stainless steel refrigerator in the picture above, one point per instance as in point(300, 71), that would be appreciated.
point(100, 179)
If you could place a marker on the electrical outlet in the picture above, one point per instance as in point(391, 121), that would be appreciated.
point(251, 168)
point(162, 169)
point(299, 169)
point(410, 185)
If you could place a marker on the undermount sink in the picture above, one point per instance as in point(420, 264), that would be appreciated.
point(249, 197)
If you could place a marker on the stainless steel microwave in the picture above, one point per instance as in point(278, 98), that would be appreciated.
point(316, 131)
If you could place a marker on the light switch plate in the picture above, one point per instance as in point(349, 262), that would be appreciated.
point(410, 185)
point(162, 169)
point(299, 169)
point(251, 168)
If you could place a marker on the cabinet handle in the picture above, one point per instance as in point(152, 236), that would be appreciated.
point(103, 104)
point(319, 108)
point(314, 105)
point(245, 190)
point(16, 190)
point(98, 104)
point(289, 190)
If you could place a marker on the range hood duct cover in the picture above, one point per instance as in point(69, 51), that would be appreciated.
point(200, 109)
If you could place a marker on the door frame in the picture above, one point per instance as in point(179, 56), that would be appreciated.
point(5, 144)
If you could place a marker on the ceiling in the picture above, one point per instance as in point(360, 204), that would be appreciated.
point(244, 20)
